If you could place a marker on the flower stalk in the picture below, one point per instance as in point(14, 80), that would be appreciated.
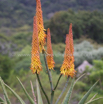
point(48, 71)
point(42, 88)
point(58, 81)
point(50, 78)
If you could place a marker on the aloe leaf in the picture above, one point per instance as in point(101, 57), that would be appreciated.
point(16, 95)
point(94, 100)
point(4, 90)
point(1, 100)
point(35, 101)
point(30, 99)
point(68, 95)
point(82, 101)
point(5, 100)
point(79, 78)
point(40, 101)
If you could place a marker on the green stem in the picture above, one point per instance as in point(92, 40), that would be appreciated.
point(48, 71)
point(52, 94)
point(57, 81)
point(50, 78)
point(42, 88)
point(62, 91)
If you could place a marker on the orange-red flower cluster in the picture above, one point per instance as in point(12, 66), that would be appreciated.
point(38, 42)
point(49, 56)
point(68, 63)
point(41, 33)
point(35, 58)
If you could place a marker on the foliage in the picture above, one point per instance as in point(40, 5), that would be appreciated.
point(97, 72)
point(85, 23)
point(15, 42)
point(25, 77)
point(86, 51)
point(20, 12)
point(5, 66)
point(65, 101)
point(83, 51)
point(93, 74)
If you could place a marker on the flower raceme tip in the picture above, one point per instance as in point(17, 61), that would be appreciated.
point(41, 33)
point(67, 67)
point(49, 56)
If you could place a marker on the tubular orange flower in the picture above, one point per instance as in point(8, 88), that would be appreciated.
point(71, 39)
point(49, 56)
point(41, 33)
point(35, 58)
point(68, 63)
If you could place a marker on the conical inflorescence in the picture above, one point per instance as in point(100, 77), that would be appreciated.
point(41, 33)
point(67, 67)
point(35, 56)
point(49, 57)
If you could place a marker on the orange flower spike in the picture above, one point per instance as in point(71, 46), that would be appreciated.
point(49, 57)
point(41, 33)
point(68, 63)
point(35, 57)
point(71, 39)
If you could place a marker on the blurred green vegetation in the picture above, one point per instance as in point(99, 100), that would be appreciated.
point(27, 76)
point(15, 13)
point(93, 74)
point(6, 64)
point(80, 89)
point(97, 72)
point(18, 64)
point(85, 23)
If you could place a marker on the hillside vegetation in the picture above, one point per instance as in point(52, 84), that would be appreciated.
point(15, 13)
point(85, 23)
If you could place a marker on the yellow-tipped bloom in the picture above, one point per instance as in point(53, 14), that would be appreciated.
point(49, 57)
point(68, 63)
point(41, 33)
point(35, 57)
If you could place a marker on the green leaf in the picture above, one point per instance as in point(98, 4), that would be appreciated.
point(1, 100)
point(5, 100)
point(82, 101)
point(94, 100)
point(30, 99)
point(68, 95)
point(16, 95)
point(79, 78)
point(39, 94)
point(4, 90)
point(33, 93)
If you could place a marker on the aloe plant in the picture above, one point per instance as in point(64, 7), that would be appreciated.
point(67, 68)
point(66, 100)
